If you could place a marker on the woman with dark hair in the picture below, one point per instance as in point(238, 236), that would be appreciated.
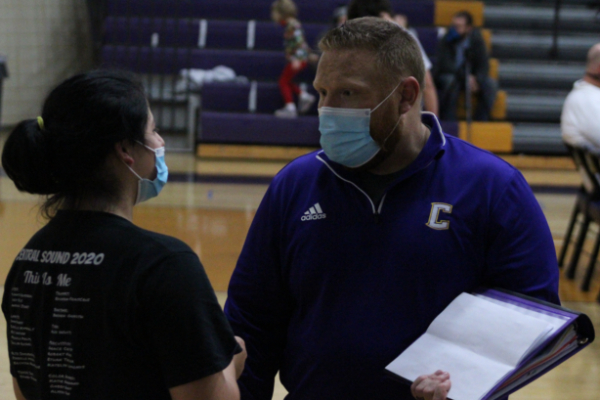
point(96, 307)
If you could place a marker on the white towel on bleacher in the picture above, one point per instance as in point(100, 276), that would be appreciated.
point(191, 79)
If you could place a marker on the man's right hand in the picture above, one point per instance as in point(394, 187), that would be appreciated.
point(432, 387)
point(473, 84)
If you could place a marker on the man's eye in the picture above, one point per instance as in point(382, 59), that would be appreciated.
point(346, 93)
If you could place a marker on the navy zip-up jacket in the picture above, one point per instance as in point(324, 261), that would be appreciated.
point(330, 288)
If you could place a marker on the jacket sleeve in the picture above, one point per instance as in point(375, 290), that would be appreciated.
point(444, 60)
point(479, 57)
point(258, 306)
point(521, 254)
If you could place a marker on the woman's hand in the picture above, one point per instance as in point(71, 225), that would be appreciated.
point(431, 387)
point(240, 358)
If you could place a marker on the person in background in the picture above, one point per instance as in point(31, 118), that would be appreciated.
point(340, 16)
point(463, 44)
point(383, 9)
point(356, 248)
point(96, 307)
point(297, 51)
point(579, 119)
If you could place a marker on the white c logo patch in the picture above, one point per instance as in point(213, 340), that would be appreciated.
point(436, 209)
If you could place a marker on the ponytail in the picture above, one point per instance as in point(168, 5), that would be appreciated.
point(63, 156)
point(26, 158)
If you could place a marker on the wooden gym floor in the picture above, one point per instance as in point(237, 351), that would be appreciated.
point(210, 204)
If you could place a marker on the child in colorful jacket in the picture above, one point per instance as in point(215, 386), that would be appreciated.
point(297, 51)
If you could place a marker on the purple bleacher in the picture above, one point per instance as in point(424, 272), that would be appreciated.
point(419, 12)
point(225, 96)
point(260, 65)
point(235, 97)
point(220, 34)
point(269, 36)
point(269, 98)
point(139, 31)
point(229, 128)
point(186, 33)
point(428, 37)
point(226, 35)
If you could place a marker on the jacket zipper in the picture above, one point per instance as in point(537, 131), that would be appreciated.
point(376, 211)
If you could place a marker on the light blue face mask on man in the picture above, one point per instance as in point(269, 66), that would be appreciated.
point(148, 189)
point(346, 134)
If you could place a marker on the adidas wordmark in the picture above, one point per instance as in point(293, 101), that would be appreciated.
point(313, 213)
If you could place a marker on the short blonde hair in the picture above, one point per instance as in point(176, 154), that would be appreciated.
point(285, 8)
point(396, 50)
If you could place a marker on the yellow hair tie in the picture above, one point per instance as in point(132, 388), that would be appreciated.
point(40, 122)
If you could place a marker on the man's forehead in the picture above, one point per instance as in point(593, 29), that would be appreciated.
point(343, 55)
point(347, 62)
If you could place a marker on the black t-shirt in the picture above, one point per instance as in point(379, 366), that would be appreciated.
point(375, 185)
point(98, 308)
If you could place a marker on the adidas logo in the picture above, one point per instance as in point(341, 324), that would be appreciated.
point(313, 213)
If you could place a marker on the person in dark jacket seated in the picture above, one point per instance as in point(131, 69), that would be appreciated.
point(462, 48)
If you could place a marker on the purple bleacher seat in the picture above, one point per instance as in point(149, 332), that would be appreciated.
point(269, 98)
point(267, 129)
point(235, 97)
point(258, 129)
point(226, 35)
point(259, 65)
point(219, 34)
point(268, 36)
point(225, 96)
point(419, 12)
point(428, 36)
point(138, 31)
point(314, 32)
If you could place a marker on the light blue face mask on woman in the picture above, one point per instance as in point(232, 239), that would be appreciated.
point(148, 189)
point(346, 134)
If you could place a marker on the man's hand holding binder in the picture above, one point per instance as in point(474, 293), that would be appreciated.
point(493, 342)
point(431, 387)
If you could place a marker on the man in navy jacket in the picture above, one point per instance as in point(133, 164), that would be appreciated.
point(354, 250)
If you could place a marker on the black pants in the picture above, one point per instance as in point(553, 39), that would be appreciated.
point(449, 87)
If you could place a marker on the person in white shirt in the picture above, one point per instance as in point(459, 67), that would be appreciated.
point(579, 119)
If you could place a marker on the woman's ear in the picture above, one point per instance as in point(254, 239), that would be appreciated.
point(124, 151)
point(410, 90)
